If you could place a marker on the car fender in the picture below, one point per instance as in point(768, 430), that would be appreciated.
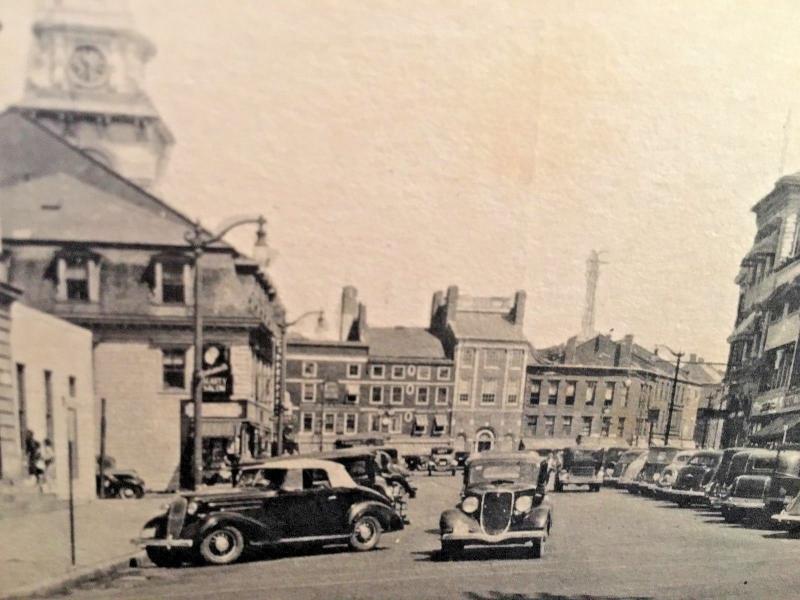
point(539, 516)
point(388, 517)
point(452, 516)
point(159, 523)
point(252, 529)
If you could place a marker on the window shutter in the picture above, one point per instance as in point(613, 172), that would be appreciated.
point(61, 284)
point(188, 284)
point(93, 273)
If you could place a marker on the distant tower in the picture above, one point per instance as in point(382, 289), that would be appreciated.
point(592, 276)
point(85, 81)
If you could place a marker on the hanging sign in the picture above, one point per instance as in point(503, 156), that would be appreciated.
point(217, 376)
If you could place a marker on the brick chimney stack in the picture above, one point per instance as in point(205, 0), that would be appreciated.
point(570, 350)
point(626, 351)
point(349, 312)
point(518, 312)
point(451, 304)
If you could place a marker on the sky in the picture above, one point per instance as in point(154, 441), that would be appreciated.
point(402, 147)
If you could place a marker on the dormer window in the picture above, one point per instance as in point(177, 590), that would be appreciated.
point(170, 277)
point(76, 273)
point(172, 283)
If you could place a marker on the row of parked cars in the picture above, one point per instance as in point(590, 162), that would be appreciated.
point(752, 485)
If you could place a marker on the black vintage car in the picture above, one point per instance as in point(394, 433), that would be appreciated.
point(745, 493)
point(691, 481)
point(278, 502)
point(504, 502)
point(784, 483)
point(610, 458)
point(622, 462)
point(720, 480)
point(657, 459)
point(581, 466)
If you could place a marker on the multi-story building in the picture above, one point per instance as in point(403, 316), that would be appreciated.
point(763, 378)
point(612, 390)
point(483, 335)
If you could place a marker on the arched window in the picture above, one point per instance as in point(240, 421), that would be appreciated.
point(484, 440)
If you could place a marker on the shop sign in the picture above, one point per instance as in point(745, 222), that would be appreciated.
point(278, 375)
point(221, 410)
point(217, 375)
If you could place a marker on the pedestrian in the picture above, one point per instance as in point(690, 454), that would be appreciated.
point(31, 450)
point(47, 459)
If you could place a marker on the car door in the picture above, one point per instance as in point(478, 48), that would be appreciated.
point(293, 508)
point(332, 503)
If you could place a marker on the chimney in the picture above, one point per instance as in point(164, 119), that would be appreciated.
point(518, 312)
point(626, 351)
point(349, 312)
point(451, 305)
point(359, 330)
point(569, 350)
point(436, 307)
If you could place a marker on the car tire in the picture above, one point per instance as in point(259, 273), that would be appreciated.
point(731, 515)
point(163, 558)
point(221, 545)
point(559, 487)
point(682, 503)
point(451, 550)
point(365, 533)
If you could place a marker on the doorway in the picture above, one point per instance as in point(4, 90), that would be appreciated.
point(484, 441)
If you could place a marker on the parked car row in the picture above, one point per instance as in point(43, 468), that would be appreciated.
point(751, 485)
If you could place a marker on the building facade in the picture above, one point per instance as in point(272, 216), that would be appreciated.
point(95, 249)
point(762, 402)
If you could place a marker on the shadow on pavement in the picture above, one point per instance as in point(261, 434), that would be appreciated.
point(782, 535)
point(546, 596)
point(476, 554)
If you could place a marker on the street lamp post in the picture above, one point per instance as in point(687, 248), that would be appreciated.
point(678, 356)
point(284, 327)
point(199, 240)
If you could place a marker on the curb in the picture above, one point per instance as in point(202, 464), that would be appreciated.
point(62, 582)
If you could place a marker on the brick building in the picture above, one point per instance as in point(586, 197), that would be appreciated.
point(614, 391)
point(483, 336)
point(763, 378)
point(91, 247)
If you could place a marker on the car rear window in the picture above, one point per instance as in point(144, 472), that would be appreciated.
point(763, 463)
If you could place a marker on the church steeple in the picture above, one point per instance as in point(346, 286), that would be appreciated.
point(85, 81)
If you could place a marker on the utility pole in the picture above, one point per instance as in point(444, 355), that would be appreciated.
point(679, 355)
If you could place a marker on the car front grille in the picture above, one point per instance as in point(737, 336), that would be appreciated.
point(582, 471)
point(496, 511)
point(175, 517)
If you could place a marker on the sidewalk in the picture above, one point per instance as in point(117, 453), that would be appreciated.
point(36, 547)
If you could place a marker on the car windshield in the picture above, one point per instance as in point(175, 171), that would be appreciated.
point(502, 472)
point(763, 463)
point(704, 461)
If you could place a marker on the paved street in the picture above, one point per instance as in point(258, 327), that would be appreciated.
point(606, 545)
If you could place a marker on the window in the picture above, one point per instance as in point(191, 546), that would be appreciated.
point(173, 290)
point(376, 395)
point(354, 370)
point(422, 394)
point(309, 369)
point(511, 399)
point(549, 426)
point(397, 394)
point(569, 394)
point(398, 372)
point(605, 426)
point(442, 395)
point(307, 423)
point(776, 314)
point(439, 425)
point(76, 278)
point(536, 389)
point(352, 393)
point(376, 371)
point(552, 393)
point(488, 391)
point(350, 423)
point(424, 373)
point(463, 398)
point(330, 422)
point(468, 357)
point(374, 423)
point(621, 427)
point(72, 385)
point(173, 367)
point(566, 425)
point(309, 392)
point(591, 389)
point(443, 373)
point(395, 424)
point(626, 396)
point(586, 428)
point(609, 395)
point(531, 422)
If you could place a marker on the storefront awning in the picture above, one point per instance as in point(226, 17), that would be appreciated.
point(220, 428)
point(440, 421)
point(744, 329)
point(420, 421)
point(774, 429)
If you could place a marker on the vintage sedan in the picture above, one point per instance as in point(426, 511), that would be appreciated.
point(581, 466)
point(442, 459)
point(784, 483)
point(657, 459)
point(689, 485)
point(627, 480)
point(789, 517)
point(621, 464)
point(277, 502)
point(662, 486)
point(504, 502)
point(720, 480)
point(745, 496)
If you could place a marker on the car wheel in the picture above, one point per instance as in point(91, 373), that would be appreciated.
point(127, 492)
point(222, 545)
point(538, 548)
point(161, 557)
point(452, 549)
point(731, 515)
point(366, 532)
point(682, 503)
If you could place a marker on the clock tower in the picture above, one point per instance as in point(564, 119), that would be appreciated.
point(85, 81)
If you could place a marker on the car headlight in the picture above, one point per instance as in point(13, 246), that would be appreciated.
point(656, 477)
point(523, 504)
point(470, 504)
point(192, 507)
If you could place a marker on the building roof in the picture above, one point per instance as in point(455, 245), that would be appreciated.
point(404, 342)
point(469, 325)
point(60, 207)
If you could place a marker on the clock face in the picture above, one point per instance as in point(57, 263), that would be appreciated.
point(88, 66)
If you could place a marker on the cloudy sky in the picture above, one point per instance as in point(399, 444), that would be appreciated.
point(405, 146)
